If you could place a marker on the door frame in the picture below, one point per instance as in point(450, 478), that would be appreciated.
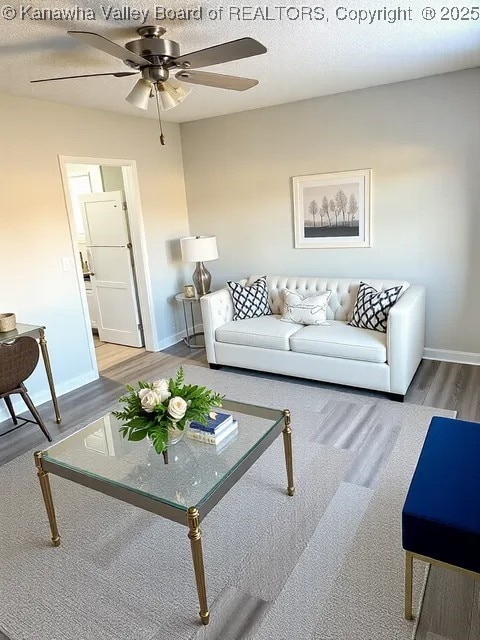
point(137, 230)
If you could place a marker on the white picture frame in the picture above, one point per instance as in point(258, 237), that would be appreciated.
point(345, 223)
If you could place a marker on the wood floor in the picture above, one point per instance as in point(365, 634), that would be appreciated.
point(451, 609)
point(109, 354)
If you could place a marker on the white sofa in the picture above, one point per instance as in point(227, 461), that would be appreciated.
point(336, 353)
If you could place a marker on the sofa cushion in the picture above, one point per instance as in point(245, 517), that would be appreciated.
point(340, 340)
point(372, 307)
point(250, 301)
point(309, 309)
point(267, 332)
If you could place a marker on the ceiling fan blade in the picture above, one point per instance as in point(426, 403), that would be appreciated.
point(117, 74)
point(217, 80)
point(234, 50)
point(106, 45)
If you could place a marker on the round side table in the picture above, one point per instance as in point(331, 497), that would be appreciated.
point(193, 339)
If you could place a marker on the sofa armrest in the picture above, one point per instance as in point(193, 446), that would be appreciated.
point(406, 338)
point(217, 309)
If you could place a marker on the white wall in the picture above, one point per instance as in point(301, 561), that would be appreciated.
point(422, 140)
point(34, 232)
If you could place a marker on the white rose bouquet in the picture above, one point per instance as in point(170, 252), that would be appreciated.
point(156, 408)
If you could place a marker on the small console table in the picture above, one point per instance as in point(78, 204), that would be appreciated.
point(38, 333)
point(194, 340)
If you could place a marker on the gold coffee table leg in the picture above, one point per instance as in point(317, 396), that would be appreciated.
point(195, 537)
point(287, 444)
point(48, 371)
point(47, 497)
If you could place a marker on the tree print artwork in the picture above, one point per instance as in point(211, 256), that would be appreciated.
point(338, 214)
point(313, 210)
point(331, 207)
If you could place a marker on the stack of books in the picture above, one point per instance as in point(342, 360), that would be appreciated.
point(217, 429)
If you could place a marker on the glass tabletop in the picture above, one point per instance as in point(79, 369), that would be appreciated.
point(195, 470)
point(181, 297)
point(20, 330)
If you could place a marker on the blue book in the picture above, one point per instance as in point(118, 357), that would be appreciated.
point(216, 439)
point(214, 425)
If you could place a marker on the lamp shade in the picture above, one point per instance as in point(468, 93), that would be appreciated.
point(176, 91)
point(165, 99)
point(199, 248)
point(140, 94)
point(170, 95)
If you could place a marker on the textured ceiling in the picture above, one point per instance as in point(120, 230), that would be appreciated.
point(306, 57)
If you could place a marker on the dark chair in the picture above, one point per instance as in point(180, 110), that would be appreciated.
point(18, 360)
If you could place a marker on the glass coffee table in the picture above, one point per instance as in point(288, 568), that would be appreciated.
point(195, 478)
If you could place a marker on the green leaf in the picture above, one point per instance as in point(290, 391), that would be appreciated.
point(160, 409)
point(137, 435)
point(179, 378)
point(139, 422)
point(159, 440)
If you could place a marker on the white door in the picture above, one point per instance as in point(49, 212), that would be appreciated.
point(110, 260)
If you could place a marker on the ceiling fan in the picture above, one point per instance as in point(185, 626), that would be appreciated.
point(155, 57)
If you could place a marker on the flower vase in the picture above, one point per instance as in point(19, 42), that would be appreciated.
point(175, 434)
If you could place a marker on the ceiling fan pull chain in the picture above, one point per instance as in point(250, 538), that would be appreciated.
point(157, 100)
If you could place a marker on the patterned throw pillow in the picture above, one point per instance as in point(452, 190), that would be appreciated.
point(305, 309)
point(250, 301)
point(372, 307)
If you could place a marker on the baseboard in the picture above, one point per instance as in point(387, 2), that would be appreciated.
point(460, 357)
point(40, 397)
point(75, 383)
point(169, 341)
point(176, 337)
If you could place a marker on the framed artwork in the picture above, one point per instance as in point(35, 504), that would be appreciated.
point(332, 210)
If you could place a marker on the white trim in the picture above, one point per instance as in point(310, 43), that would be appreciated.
point(71, 385)
point(77, 265)
point(170, 341)
point(142, 271)
point(43, 396)
point(178, 337)
point(135, 219)
point(460, 357)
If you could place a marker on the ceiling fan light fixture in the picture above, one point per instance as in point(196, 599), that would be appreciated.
point(154, 57)
point(165, 100)
point(176, 91)
point(140, 94)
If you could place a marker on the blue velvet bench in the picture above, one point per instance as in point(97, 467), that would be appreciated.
point(441, 515)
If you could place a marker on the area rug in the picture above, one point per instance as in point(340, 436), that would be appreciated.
point(326, 564)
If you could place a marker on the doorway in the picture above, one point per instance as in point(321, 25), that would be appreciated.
point(107, 237)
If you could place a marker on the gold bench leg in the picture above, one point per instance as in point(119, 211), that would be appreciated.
point(195, 537)
point(408, 585)
point(287, 444)
point(47, 497)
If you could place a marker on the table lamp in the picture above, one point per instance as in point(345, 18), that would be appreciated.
point(200, 249)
